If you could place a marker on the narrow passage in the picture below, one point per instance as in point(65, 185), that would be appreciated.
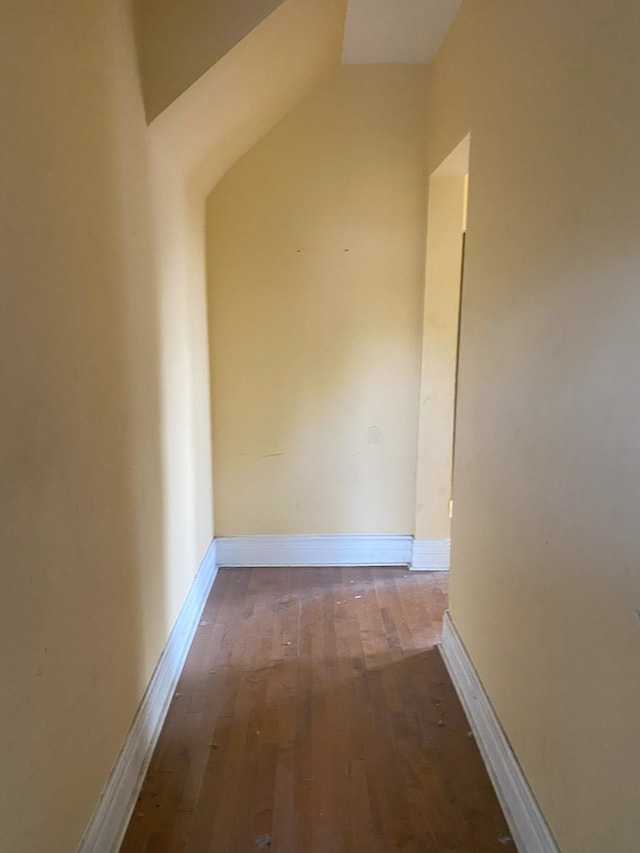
point(314, 715)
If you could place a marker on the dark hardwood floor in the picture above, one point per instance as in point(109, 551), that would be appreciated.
point(314, 715)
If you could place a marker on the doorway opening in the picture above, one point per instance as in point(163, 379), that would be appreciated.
point(444, 267)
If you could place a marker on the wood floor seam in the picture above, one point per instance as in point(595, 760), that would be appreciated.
point(314, 715)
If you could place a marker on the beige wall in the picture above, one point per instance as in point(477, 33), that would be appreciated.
point(445, 223)
point(545, 578)
point(105, 452)
point(316, 254)
point(187, 496)
point(104, 521)
point(192, 144)
point(89, 589)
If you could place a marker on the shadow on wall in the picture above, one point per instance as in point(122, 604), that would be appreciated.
point(315, 253)
point(179, 42)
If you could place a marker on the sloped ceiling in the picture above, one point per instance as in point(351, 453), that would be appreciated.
point(179, 40)
point(254, 85)
point(218, 74)
point(396, 30)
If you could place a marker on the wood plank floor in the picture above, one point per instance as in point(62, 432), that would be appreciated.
point(314, 715)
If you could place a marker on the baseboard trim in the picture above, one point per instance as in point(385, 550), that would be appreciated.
point(109, 822)
point(252, 551)
point(526, 822)
point(431, 555)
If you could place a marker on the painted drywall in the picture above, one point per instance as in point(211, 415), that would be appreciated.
point(89, 591)
point(178, 42)
point(192, 144)
point(316, 256)
point(105, 453)
point(545, 579)
point(445, 224)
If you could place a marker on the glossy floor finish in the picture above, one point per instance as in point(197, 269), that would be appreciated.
point(314, 715)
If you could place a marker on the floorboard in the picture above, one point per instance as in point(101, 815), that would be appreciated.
point(314, 715)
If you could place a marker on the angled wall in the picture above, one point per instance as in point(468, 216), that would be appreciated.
point(178, 42)
point(545, 580)
point(249, 90)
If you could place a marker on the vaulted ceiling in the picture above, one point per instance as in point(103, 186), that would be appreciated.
point(179, 41)
point(218, 74)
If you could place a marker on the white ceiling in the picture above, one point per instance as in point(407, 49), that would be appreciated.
point(396, 30)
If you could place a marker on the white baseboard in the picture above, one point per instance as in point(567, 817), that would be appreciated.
point(431, 555)
point(528, 827)
point(251, 551)
point(109, 821)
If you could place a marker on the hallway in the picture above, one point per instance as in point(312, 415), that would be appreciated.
point(315, 714)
